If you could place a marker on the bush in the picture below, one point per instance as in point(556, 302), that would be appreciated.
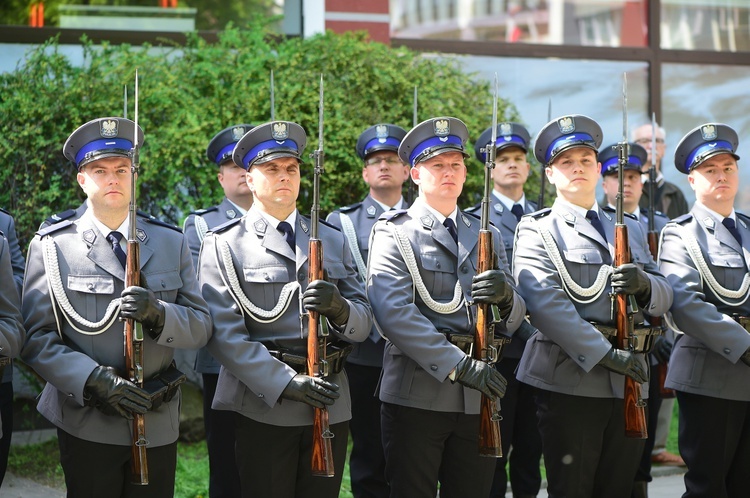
point(188, 93)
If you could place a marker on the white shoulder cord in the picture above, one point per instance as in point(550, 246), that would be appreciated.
point(201, 227)
point(404, 247)
point(232, 281)
point(54, 282)
point(351, 237)
point(571, 287)
point(696, 255)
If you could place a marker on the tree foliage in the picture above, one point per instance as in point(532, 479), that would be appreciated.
point(188, 93)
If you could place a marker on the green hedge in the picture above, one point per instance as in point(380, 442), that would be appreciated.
point(188, 93)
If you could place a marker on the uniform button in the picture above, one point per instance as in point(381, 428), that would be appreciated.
point(260, 395)
point(265, 276)
point(585, 258)
point(163, 284)
point(170, 339)
point(351, 331)
point(438, 265)
point(91, 286)
point(301, 276)
point(70, 395)
point(433, 368)
point(727, 350)
point(581, 358)
point(464, 269)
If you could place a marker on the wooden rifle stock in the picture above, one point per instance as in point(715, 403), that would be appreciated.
point(490, 443)
point(635, 415)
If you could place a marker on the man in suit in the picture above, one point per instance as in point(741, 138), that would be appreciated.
point(668, 198)
point(662, 348)
point(253, 273)
point(421, 279)
point(385, 175)
point(704, 256)
point(562, 263)
point(73, 294)
point(518, 425)
point(17, 261)
point(224, 481)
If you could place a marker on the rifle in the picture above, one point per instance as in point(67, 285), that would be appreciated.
point(411, 191)
point(133, 329)
point(625, 305)
point(543, 175)
point(490, 444)
point(322, 455)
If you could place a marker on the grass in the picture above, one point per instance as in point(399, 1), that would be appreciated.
point(41, 463)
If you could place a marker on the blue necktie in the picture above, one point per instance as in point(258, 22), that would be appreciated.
point(596, 222)
point(729, 223)
point(114, 238)
point(286, 229)
point(517, 209)
point(448, 223)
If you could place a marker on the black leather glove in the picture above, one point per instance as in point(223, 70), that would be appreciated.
point(311, 390)
point(325, 298)
point(113, 395)
point(491, 287)
point(629, 279)
point(625, 363)
point(746, 357)
point(662, 349)
point(481, 376)
point(141, 305)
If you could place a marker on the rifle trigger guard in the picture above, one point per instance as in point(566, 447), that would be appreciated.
point(142, 442)
point(327, 434)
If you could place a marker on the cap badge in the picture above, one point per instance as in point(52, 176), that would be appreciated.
point(237, 133)
point(108, 128)
point(708, 132)
point(506, 129)
point(279, 131)
point(566, 125)
point(442, 127)
point(381, 132)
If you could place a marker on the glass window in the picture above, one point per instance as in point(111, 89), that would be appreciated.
point(614, 23)
point(720, 25)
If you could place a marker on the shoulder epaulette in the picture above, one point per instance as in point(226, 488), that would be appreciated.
point(57, 218)
point(743, 216)
point(54, 227)
point(540, 214)
point(631, 216)
point(201, 212)
point(350, 207)
point(475, 207)
point(144, 214)
point(656, 213)
point(155, 221)
point(392, 215)
point(473, 214)
point(609, 209)
point(5, 211)
point(224, 226)
point(683, 219)
point(324, 222)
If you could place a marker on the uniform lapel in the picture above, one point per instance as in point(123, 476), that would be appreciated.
point(467, 237)
point(144, 235)
point(581, 225)
point(719, 232)
point(437, 231)
point(228, 210)
point(302, 238)
point(270, 238)
point(100, 250)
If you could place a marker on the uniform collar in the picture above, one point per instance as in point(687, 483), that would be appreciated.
point(453, 216)
point(104, 229)
point(508, 202)
point(291, 219)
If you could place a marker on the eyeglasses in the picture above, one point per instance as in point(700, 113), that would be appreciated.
point(644, 141)
point(390, 161)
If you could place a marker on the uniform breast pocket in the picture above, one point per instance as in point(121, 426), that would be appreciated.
point(334, 269)
point(639, 257)
point(728, 267)
point(439, 275)
point(86, 289)
point(164, 284)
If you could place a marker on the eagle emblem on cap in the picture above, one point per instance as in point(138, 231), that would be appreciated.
point(237, 133)
point(708, 132)
point(381, 132)
point(442, 127)
point(566, 124)
point(279, 131)
point(506, 129)
point(108, 128)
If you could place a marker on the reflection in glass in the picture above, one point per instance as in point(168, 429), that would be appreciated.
point(720, 25)
point(616, 23)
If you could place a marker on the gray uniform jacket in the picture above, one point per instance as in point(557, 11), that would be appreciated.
point(363, 215)
point(91, 277)
point(8, 228)
point(251, 380)
point(706, 359)
point(195, 230)
point(12, 332)
point(506, 222)
point(563, 356)
point(418, 356)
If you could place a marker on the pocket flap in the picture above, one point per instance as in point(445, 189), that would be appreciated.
point(266, 274)
point(163, 281)
point(92, 284)
point(584, 256)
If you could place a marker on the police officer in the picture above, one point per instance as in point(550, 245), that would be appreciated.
point(223, 478)
point(704, 256)
point(385, 174)
point(75, 275)
point(562, 263)
point(8, 229)
point(518, 425)
point(253, 273)
point(421, 279)
point(662, 348)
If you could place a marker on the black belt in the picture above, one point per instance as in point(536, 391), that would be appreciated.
point(465, 342)
point(333, 363)
point(163, 386)
point(641, 341)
